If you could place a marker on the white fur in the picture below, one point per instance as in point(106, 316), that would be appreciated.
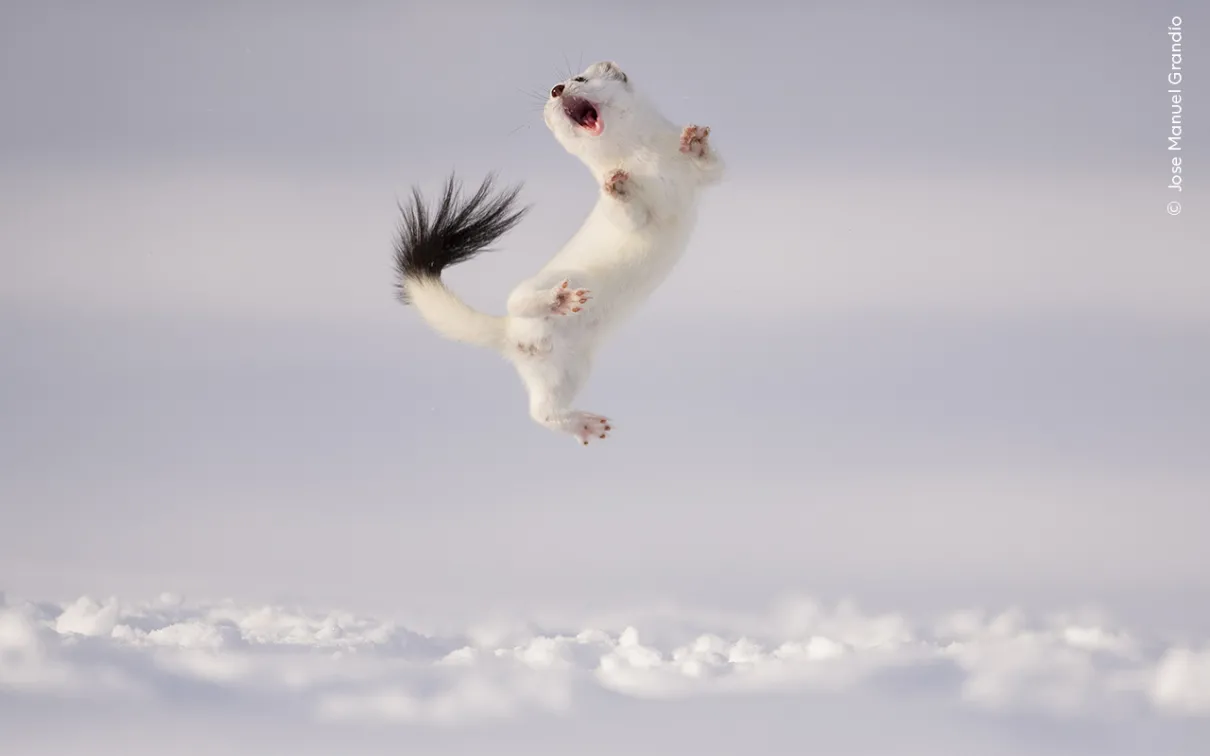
point(452, 318)
point(625, 249)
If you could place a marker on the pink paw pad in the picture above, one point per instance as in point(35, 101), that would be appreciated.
point(694, 140)
point(568, 300)
point(618, 184)
point(589, 427)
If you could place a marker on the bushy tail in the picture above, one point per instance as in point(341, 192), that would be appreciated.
point(431, 241)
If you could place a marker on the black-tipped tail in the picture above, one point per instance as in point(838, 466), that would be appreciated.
point(455, 231)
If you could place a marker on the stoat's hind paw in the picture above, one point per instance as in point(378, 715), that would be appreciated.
point(588, 427)
point(534, 348)
point(568, 300)
point(694, 141)
point(618, 184)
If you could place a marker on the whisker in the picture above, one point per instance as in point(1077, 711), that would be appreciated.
point(531, 94)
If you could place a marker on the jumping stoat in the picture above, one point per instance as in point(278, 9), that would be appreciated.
point(650, 172)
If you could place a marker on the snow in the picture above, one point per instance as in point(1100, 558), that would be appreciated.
point(339, 666)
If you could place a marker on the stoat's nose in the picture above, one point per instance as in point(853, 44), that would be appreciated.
point(558, 90)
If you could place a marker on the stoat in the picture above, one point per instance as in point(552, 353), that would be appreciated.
point(650, 172)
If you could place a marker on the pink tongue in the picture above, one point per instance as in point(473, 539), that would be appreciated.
point(593, 125)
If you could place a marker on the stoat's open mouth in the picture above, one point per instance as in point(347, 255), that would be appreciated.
point(583, 113)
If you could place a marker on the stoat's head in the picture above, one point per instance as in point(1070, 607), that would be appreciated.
point(595, 115)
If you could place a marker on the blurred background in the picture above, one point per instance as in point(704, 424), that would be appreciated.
point(936, 341)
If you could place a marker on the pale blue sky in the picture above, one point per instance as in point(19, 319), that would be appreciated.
point(939, 288)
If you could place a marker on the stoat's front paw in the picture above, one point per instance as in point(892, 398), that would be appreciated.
point(694, 141)
point(568, 300)
point(617, 184)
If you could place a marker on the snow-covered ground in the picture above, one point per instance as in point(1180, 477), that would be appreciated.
point(335, 669)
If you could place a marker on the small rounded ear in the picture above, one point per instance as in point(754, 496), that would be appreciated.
point(610, 70)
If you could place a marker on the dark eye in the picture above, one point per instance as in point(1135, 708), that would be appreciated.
point(580, 79)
